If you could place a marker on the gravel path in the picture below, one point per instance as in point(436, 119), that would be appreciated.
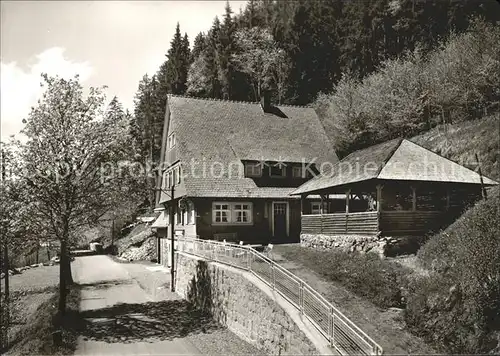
point(120, 317)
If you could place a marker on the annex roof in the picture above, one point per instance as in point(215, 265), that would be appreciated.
point(398, 159)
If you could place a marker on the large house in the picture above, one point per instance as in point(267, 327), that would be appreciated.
point(231, 167)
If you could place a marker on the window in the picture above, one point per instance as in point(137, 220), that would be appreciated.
point(165, 180)
point(173, 176)
point(277, 171)
point(316, 207)
point(232, 213)
point(179, 175)
point(190, 217)
point(253, 170)
point(169, 179)
point(242, 213)
point(178, 216)
point(221, 213)
point(298, 172)
point(171, 140)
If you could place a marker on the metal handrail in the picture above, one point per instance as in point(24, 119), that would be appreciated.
point(345, 336)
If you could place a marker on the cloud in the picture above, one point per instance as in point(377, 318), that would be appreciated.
point(21, 89)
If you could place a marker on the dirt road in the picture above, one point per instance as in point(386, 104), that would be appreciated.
point(121, 318)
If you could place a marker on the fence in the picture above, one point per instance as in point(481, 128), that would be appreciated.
point(342, 334)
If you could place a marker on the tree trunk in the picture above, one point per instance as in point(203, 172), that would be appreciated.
point(62, 278)
point(65, 277)
point(5, 307)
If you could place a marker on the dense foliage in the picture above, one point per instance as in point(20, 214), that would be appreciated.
point(458, 80)
point(299, 49)
point(461, 141)
point(457, 306)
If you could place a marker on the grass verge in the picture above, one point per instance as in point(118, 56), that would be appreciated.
point(36, 337)
point(366, 275)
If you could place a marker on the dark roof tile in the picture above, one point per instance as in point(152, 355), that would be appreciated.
point(397, 159)
point(228, 132)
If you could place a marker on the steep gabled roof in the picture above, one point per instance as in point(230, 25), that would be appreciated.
point(228, 132)
point(397, 159)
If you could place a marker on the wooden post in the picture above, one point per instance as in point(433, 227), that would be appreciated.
point(414, 199)
point(379, 205)
point(347, 198)
point(327, 203)
point(302, 203)
point(172, 238)
point(379, 197)
point(483, 190)
point(321, 204)
point(447, 198)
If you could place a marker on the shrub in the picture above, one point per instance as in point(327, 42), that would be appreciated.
point(459, 80)
point(458, 306)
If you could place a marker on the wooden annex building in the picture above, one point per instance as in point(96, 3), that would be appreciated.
point(400, 188)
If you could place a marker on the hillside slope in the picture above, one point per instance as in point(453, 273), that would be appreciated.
point(460, 142)
point(457, 305)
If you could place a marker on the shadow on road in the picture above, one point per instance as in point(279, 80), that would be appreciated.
point(148, 322)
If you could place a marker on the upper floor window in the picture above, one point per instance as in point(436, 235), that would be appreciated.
point(253, 170)
point(165, 179)
point(298, 172)
point(171, 140)
point(169, 179)
point(179, 172)
point(277, 171)
point(172, 176)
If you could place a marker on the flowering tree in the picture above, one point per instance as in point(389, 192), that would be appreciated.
point(11, 211)
point(72, 164)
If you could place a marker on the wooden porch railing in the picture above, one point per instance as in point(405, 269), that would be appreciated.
point(365, 223)
point(409, 222)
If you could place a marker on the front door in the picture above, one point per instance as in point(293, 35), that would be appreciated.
point(280, 219)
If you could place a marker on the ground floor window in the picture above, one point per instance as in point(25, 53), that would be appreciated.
point(243, 213)
point(232, 213)
point(221, 213)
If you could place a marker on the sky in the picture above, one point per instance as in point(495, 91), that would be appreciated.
point(112, 43)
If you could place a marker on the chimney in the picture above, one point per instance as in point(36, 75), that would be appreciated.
point(265, 100)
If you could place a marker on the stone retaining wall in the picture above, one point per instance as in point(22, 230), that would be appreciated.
point(383, 246)
point(235, 302)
